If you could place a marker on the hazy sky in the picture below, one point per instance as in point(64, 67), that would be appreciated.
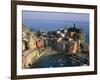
point(57, 16)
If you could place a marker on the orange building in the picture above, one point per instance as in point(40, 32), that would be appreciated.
point(39, 43)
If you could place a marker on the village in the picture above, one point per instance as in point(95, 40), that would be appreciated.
point(37, 43)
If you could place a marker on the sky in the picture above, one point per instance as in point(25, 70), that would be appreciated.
point(52, 20)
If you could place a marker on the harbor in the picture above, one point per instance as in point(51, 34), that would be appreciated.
point(64, 47)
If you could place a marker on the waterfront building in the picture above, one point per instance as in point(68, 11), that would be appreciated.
point(25, 37)
point(76, 39)
point(39, 43)
point(32, 40)
point(29, 56)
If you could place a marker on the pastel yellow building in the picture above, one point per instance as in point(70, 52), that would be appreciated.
point(30, 51)
point(32, 40)
point(29, 57)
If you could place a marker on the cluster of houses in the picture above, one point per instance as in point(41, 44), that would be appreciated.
point(32, 47)
point(70, 40)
